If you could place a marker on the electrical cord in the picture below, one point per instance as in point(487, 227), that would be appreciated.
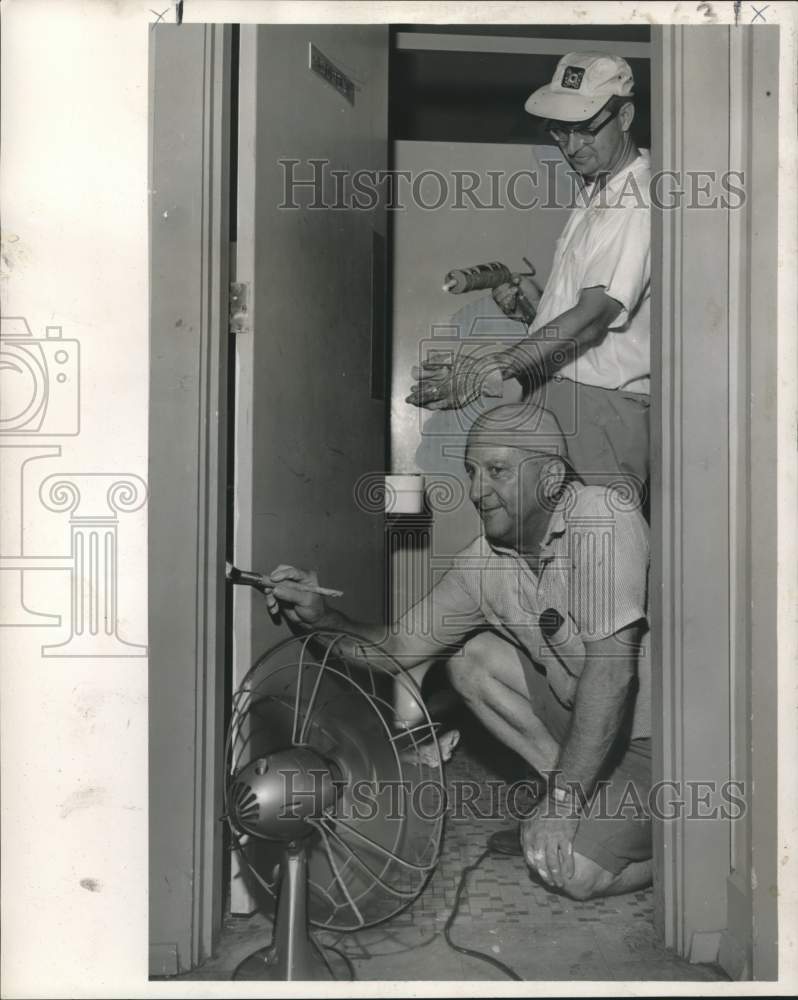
point(479, 955)
point(322, 954)
point(510, 973)
point(346, 958)
point(322, 949)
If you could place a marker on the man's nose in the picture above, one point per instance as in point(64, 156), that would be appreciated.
point(478, 488)
point(575, 142)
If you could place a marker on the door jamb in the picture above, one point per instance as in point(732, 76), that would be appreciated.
point(189, 325)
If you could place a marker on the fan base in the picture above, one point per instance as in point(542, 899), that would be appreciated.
point(293, 955)
point(264, 965)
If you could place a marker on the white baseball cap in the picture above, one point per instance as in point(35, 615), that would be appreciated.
point(582, 84)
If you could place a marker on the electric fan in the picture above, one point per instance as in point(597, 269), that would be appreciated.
point(335, 808)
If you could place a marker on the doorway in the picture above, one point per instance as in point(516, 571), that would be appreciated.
point(704, 912)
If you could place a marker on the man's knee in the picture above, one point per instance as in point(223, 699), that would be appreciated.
point(588, 880)
point(483, 661)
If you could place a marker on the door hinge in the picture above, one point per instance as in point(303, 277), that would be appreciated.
point(239, 307)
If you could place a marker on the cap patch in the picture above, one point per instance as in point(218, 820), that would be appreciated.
point(572, 77)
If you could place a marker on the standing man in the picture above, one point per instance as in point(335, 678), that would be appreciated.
point(587, 357)
point(542, 620)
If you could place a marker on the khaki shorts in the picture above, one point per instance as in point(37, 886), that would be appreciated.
point(614, 843)
point(606, 430)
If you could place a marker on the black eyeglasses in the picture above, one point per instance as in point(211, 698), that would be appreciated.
point(587, 132)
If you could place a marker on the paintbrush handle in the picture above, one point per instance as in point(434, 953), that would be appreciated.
point(309, 587)
point(235, 575)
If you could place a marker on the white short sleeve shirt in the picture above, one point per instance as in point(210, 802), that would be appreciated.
point(607, 243)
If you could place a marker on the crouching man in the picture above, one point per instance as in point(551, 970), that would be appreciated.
point(542, 620)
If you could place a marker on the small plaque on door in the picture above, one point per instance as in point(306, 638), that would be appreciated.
point(328, 71)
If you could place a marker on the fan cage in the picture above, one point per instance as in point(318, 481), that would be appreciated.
point(359, 873)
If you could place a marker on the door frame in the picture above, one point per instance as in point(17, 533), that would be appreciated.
point(713, 494)
point(189, 165)
point(242, 901)
point(739, 926)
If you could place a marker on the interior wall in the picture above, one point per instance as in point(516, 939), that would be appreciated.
point(461, 83)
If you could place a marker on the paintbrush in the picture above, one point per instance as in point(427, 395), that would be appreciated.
point(261, 582)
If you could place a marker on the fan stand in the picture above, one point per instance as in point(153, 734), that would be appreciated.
point(295, 744)
point(292, 954)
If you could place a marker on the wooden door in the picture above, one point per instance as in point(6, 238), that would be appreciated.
point(310, 387)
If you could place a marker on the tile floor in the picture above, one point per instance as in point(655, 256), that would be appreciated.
point(542, 935)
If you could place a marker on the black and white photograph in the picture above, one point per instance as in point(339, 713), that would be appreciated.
point(403, 464)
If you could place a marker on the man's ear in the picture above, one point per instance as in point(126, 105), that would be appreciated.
point(553, 477)
point(626, 116)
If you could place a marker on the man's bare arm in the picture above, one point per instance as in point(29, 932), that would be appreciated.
point(577, 329)
point(531, 360)
point(602, 701)
point(306, 612)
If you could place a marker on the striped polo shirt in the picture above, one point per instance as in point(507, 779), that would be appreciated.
point(592, 582)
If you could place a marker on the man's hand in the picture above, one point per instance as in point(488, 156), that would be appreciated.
point(547, 842)
point(508, 298)
point(300, 607)
point(447, 384)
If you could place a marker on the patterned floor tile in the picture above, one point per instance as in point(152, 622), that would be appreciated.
point(505, 913)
